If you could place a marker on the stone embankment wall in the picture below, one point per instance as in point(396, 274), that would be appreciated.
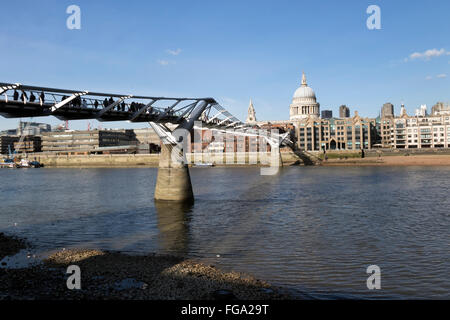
point(152, 160)
point(113, 160)
point(350, 154)
point(225, 159)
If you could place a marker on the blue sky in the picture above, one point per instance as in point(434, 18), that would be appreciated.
point(233, 51)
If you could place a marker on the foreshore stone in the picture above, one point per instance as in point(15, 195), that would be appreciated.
point(111, 275)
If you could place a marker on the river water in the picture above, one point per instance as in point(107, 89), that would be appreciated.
point(312, 230)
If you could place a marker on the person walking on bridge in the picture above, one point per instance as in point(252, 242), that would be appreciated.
point(24, 97)
point(16, 95)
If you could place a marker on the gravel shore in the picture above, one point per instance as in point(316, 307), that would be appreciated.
point(400, 160)
point(113, 275)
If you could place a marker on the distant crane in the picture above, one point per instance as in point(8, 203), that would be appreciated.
point(11, 153)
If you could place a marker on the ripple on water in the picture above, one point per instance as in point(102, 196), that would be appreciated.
point(312, 230)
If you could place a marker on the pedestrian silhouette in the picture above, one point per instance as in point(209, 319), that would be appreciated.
point(24, 96)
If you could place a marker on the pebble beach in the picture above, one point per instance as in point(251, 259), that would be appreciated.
point(113, 275)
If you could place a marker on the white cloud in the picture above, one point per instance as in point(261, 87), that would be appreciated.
point(163, 62)
point(439, 76)
point(428, 54)
point(174, 52)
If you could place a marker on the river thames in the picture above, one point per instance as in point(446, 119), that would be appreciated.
point(311, 230)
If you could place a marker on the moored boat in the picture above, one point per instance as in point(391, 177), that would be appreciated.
point(205, 164)
point(23, 163)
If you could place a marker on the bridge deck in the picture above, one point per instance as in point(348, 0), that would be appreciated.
point(17, 109)
point(65, 104)
point(19, 101)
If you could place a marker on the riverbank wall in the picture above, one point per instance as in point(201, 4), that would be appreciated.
point(152, 160)
point(98, 160)
point(387, 157)
point(376, 153)
point(371, 157)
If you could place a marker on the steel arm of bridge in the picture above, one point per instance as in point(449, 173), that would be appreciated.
point(112, 106)
point(163, 133)
point(215, 116)
point(188, 111)
point(166, 112)
point(141, 110)
point(67, 100)
point(166, 135)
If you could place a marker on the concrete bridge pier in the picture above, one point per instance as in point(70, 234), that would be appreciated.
point(173, 182)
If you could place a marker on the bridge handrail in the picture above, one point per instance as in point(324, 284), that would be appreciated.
point(99, 94)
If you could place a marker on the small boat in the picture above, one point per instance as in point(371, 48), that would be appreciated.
point(8, 163)
point(24, 163)
point(204, 164)
point(36, 164)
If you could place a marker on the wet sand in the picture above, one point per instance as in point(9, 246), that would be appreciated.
point(401, 160)
point(113, 275)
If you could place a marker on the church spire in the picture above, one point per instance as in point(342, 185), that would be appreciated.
point(403, 111)
point(251, 116)
point(304, 84)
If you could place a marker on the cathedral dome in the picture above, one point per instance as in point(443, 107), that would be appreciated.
point(304, 103)
point(304, 93)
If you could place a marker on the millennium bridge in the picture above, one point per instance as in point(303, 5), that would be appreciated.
point(162, 113)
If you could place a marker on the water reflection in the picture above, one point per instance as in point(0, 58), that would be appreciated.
point(173, 224)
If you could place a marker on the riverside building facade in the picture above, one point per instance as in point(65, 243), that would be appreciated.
point(28, 144)
point(7, 143)
point(312, 133)
point(420, 132)
point(353, 133)
point(95, 141)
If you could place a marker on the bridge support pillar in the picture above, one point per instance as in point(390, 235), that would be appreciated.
point(173, 182)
